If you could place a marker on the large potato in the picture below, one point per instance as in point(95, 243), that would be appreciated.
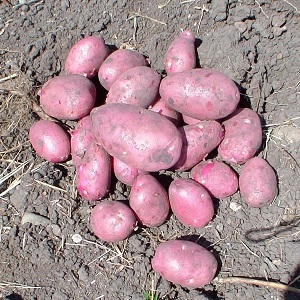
point(68, 97)
point(257, 182)
point(141, 138)
point(243, 136)
point(149, 200)
point(203, 94)
point(185, 263)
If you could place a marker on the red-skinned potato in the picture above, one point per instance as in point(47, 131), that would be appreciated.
point(94, 173)
point(181, 54)
point(217, 177)
point(117, 63)
point(243, 136)
point(149, 200)
point(68, 97)
point(257, 182)
point(199, 140)
point(112, 221)
point(185, 263)
point(50, 141)
point(189, 120)
point(203, 94)
point(141, 138)
point(86, 56)
point(190, 202)
point(137, 86)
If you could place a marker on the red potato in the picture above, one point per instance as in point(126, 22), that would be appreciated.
point(199, 140)
point(86, 56)
point(68, 97)
point(50, 141)
point(218, 178)
point(112, 221)
point(190, 202)
point(243, 136)
point(189, 120)
point(181, 54)
point(94, 174)
point(257, 182)
point(149, 200)
point(117, 63)
point(141, 138)
point(203, 94)
point(185, 263)
point(137, 86)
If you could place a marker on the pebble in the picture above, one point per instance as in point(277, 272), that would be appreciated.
point(34, 219)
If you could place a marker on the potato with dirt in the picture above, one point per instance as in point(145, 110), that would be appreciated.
point(185, 263)
point(203, 94)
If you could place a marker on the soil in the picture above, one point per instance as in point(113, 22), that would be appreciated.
point(47, 250)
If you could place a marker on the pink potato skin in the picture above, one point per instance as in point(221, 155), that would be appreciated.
point(199, 140)
point(86, 56)
point(137, 86)
point(94, 174)
point(257, 182)
point(112, 221)
point(50, 141)
point(190, 202)
point(181, 54)
point(117, 63)
point(189, 120)
point(217, 177)
point(141, 138)
point(203, 94)
point(126, 173)
point(149, 200)
point(68, 97)
point(243, 136)
point(185, 263)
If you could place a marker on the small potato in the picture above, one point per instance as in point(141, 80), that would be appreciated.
point(112, 221)
point(50, 141)
point(258, 183)
point(181, 54)
point(149, 200)
point(117, 63)
point(218, 178)
point(137, 86)
point(86, 56)
point(185, 263)
point(199, 140)
point(203, 94)
point(190, 202)
point(243, 136)
point(141, 138)
point(189, 120)
point(94, 174)
point(68, 97)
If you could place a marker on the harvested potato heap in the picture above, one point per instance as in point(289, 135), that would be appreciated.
point(148, 125)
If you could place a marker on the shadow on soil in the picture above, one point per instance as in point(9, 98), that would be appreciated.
point(294, 296)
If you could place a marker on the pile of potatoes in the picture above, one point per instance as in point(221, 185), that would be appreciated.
point(146, 125)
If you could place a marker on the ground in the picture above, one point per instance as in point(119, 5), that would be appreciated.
point(52, 254)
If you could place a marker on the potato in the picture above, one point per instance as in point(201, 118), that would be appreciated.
point(203, 94)
point(189, 120)
point(190, 202)
point(137, 86)
point(149, 200)
point(243, 136)
point(94, 174)
point(50, 141)
point(217, 177)
point(258, 182)
point(112, 221)
point(117, 63)
point(141, 138)
point(181, 54)
point(199, 140)
point(86, 56)
point(126, 173)
point(185, 263)
point(68, 97)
